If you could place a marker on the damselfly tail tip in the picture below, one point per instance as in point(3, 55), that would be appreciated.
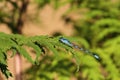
point(96, 56)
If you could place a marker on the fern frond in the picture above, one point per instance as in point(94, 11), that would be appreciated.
point(17, 42)
point(110, 66)
point(36, 48)
point(106, 32)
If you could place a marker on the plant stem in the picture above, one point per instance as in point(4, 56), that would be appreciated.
point(19, 25)
point(18, 65)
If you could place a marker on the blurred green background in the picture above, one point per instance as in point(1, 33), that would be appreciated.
point(95, 25)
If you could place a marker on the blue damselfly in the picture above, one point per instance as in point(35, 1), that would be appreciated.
point(68, 43)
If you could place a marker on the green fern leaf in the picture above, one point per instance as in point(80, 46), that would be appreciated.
point(23, 52)
point(36, 48)
point(3, 58)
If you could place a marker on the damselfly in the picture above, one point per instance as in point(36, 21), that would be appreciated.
point(68, 43)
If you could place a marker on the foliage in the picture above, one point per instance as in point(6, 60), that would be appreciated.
point(55, 3)
point(63, 68)
point(17, 43)
point(12, 14)
point(54, 71)
point(100, 29)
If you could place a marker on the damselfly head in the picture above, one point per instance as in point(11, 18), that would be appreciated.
point(66, 41)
